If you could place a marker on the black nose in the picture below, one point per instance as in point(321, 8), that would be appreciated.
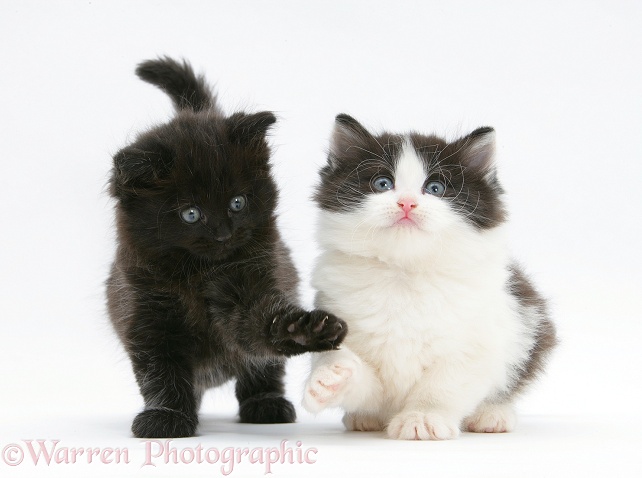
point(223, 232)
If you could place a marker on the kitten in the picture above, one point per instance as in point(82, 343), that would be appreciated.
point(202, 288)
point(445, 329)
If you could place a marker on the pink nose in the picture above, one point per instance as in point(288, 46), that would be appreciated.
point(407, 204)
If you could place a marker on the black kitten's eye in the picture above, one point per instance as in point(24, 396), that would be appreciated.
point(382, 183)
point(436, 188)
point(191, 214)
point(237, 203)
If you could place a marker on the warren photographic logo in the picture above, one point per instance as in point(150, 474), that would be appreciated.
point(155, 453)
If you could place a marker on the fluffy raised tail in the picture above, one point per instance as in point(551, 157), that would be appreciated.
point(178, 80)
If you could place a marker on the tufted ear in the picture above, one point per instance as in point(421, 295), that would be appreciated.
point(347, 133)
point(477, 150)
point(248, 129)
point(141, 164)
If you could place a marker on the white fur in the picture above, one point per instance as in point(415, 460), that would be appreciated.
point(433, 332)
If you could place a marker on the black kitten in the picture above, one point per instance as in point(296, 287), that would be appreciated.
point(202, 288)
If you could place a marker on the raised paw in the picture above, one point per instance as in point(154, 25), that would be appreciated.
point(491, 419)
point(299, 332)
point(164, 423)
point(422, 426)
point(327, 385)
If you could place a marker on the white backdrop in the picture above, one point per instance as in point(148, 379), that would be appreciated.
point(559, 80)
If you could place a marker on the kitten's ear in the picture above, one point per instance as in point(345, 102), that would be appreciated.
point(477, 150)
point(346, 124)
point(248, 129)
point(140, 165)
point(347, 133)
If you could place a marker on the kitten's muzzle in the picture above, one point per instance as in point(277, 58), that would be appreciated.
point(222, 232)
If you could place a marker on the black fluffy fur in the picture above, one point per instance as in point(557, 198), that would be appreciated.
point(198, 304)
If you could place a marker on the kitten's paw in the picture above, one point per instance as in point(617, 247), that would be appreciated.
point(422, 426)
point(316, 331)
point(327, 385)
point(266, 408)
point(362, 423)
point(164, 423)
point(491, 419)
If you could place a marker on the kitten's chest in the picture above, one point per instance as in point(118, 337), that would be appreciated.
point(194, 301)
point(391, 300)
point(398, 325)
point(411, 316)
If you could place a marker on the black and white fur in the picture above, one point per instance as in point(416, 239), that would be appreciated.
point(445, 329)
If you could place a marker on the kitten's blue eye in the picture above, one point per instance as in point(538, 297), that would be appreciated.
point(191, 214)
point(237, 203)
point(382, 183)
point(436, 188)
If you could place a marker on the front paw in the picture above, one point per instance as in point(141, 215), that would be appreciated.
point(266, 409)
point(327, 385)
point(164, 423)
point(299, 332)
point(422, 426)
point(357, 422)
point(491, 419)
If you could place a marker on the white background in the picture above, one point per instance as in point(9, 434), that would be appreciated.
point(560, 81)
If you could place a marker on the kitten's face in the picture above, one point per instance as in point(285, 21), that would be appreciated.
point(406, 192)
point(194, 185)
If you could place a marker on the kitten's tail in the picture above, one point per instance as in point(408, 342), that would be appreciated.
point(178, 80)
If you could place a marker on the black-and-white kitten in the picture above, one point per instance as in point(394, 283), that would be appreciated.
point(445, 329)
point(202, 288)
